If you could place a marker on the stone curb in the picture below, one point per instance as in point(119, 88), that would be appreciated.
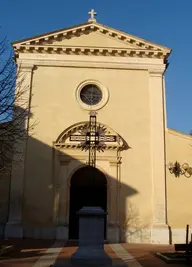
point(169, 260)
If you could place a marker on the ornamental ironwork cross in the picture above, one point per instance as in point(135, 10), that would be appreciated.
point(92, 138)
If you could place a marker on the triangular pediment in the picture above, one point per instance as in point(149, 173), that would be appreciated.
point(91, 36)
point(91, 39)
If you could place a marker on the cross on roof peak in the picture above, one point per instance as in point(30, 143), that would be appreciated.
point(92, 14)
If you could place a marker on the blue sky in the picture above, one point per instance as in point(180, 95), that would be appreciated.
point(167, 22)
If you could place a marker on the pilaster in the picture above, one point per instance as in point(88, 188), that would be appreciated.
point(13, 227)
point(62, 213)
point(63, 202)
point(113, 220)
point(164, 96)
point(160, 231)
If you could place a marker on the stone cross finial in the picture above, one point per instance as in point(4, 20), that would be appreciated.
point(92, 14)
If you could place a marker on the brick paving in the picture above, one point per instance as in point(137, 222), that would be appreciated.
point(25, 253)
point(66, 252)
point(71, 247)
point(145, 254)
point(28, 253)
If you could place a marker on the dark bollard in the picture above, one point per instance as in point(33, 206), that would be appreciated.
point(91, 242)
point(91, 238)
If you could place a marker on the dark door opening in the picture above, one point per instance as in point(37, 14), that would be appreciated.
point(88, 188)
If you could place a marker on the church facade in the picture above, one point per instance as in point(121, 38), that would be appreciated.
point(94, 72)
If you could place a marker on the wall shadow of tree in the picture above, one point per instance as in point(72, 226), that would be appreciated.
point(42, 185)
point(48, 188)
point(132, 227)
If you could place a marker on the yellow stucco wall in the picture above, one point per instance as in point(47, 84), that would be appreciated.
point(179, 197)
point(93, 39)
point(54, 108)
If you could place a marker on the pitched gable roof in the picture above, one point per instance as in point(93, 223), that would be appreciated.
point(123, 43)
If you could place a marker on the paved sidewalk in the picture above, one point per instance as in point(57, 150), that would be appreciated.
point(38, 253)
point(144, 254)
point(70, 248)
point(124, 255)
point(25, 253)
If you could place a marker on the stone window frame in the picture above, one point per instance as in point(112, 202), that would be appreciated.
point(104, 90)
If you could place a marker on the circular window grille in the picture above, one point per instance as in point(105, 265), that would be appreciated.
point(91, 94)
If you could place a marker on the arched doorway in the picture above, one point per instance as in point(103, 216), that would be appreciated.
point(88, 188)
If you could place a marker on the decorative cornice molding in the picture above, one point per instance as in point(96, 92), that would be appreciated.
point(64, 142)
point(139, 47)
point(86, 50)
point(76, 146)
point(26, 66)
point(90, 27)
point(157, 71)
point(57, 35)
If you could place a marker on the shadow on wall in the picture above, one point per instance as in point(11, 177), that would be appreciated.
point(51, 200)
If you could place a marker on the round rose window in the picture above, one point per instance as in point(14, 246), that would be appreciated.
point(90, 94)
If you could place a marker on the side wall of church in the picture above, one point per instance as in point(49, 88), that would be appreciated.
point(179, 195)
point(54, 108)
